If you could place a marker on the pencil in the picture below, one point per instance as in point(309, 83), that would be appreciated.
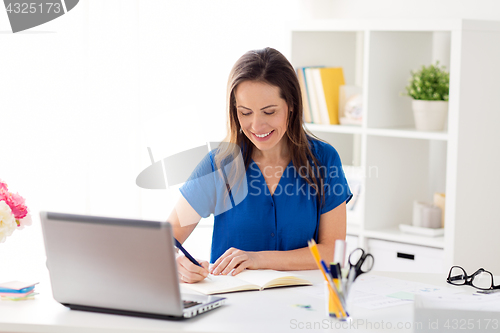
point(340, 312)
point(334, 295)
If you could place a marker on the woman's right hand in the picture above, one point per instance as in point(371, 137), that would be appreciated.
point(189, 272)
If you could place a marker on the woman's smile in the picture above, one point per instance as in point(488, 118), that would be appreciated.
point(263, 137)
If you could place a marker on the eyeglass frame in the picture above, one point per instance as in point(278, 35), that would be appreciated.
point(469, 278)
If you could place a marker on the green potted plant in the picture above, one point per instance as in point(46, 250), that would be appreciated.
point(429, 87)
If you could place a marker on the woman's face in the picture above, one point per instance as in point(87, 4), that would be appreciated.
point(262, 114)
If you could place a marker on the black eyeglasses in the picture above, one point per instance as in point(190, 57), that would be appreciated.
point(481, 279)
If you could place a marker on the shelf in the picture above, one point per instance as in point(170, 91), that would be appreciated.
point(396, 132)
point(395, 235)
point(411, 133)
point(393, 25)
point(402, 164)
point(334, 128)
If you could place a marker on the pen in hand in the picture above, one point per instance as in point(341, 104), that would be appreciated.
point(189, 256)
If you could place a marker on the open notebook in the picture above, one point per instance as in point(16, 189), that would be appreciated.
point(246, 280)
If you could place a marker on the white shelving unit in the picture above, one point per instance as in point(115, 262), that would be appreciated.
point(401, 164)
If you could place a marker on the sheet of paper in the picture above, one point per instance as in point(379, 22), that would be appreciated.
point(376, 292)
point(402, 295)
point(388, 286)
point(459, 302)
point(373, 301)
point(362, 299)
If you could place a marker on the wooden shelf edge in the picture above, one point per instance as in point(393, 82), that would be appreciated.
point(395, 235)
point(347, 25)
point(410, 133)
point(333, 128)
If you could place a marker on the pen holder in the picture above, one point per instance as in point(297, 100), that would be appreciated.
point(330, 304)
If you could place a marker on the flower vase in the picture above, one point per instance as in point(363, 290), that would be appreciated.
point(429, 115)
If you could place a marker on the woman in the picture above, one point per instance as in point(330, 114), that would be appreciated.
point(296, 187)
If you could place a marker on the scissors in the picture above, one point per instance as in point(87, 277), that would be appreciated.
point(359, 263)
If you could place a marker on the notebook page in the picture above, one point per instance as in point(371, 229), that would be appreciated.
point(220, 284)
point(262, 276)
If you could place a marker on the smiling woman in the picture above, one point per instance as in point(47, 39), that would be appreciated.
point(266, 125)
point(292, 197)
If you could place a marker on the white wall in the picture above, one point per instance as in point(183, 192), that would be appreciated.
point(81, 97)
point(397, 9)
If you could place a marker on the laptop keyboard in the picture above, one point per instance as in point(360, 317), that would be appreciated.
point(188, 304)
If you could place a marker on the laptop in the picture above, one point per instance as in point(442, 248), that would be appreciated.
point(119, 266)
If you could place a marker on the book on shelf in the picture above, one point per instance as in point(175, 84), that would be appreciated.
point(305, 100)
point(246, 280)
point(320, 91)
point(311, 94)
point(321, 96)
point(332, 78)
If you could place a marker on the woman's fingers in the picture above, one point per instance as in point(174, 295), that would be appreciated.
point(189, 272)
point(241, 267)
point(234, 259)
point(222, 263)
point(205, 264)
point(227, 262)
point(233, 262)
point(220, 259)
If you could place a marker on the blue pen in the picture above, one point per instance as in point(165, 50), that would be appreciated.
point(339, 294)
point(336, 276)
point(325, 267)
point(186, 253)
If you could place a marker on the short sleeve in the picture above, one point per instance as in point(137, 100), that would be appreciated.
point(200, 189)
point(336, 188)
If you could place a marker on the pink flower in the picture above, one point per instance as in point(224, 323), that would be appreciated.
point(7, 221)
point(4, 194)
point(16, 204)
point(24, 222)
point(13, 212)
point(3, 186)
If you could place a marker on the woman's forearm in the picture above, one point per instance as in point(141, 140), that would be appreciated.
point(332, 227)
point(293, 260)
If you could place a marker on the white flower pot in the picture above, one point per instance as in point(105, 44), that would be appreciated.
point(429, 115)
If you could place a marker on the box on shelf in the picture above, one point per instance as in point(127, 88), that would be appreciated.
point(350, 105)
point(401, 257)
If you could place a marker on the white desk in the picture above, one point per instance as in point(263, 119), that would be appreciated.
point(270, 310)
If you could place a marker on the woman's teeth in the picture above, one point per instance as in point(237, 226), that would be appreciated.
point(262, 135)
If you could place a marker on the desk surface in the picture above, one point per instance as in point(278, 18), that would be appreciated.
point(271, 310)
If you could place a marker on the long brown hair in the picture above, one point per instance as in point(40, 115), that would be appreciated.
point(271, 67)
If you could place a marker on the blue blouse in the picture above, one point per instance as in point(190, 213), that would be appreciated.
point(283, 221)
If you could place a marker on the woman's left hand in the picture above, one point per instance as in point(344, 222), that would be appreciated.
point(234, 259)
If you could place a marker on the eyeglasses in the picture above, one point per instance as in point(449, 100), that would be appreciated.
point(480, 279)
